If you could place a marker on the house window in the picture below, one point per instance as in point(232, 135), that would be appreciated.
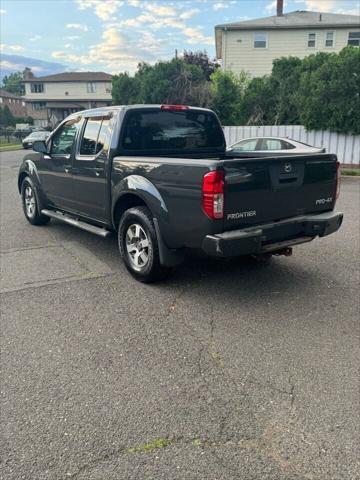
point(1, 100)
point(329, 39)
point(37, 88)
point(39, 105)
point(91, 87)
point(23, 104)
point(354, 39)
point(311, 40)
point(260, 40)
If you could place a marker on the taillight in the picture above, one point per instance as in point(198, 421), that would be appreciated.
point(174, 107)
point(213, 194)
point(338, 177)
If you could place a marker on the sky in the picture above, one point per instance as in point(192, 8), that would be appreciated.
point(115, 35)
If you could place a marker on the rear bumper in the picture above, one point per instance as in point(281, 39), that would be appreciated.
point(272, 236)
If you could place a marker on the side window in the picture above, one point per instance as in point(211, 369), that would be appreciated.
point(311, 40)
point(247, 145)
point(286, 145)
point(91, 133)
point(96, 136)
point(104, 136)
point(354, 39)
point(271, 144)
point(63, 141)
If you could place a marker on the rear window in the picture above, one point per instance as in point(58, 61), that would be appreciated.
point(162, 131)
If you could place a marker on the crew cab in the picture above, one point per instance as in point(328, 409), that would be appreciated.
point(160, 177)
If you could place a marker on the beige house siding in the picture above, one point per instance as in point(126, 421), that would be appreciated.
point(69, 91)
point(238, 52)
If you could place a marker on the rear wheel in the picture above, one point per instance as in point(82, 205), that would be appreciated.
point(138, 245)
point(30, 203)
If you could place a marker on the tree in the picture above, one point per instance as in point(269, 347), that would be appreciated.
point(6, 117)
point(165, 82)
point(284, 84)
point(125, 89)
point(227, 93)
point(259, 106)
point(329, 95)
point(202, 60)
point(12, 83)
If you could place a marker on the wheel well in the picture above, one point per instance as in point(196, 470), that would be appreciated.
point(124, 203)
point(21, 179)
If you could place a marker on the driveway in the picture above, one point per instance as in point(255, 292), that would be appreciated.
point(228, 370)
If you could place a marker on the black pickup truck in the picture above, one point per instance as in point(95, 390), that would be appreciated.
point(160, 177)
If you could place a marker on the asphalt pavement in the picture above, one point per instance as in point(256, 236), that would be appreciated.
point(228, 370)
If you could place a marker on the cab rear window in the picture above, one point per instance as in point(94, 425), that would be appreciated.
point(162, 131)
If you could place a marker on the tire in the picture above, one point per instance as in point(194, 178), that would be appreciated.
point(30, 203)
point(139, 247)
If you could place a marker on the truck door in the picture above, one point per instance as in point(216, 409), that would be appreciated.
point(55, 166)
point(90, 189)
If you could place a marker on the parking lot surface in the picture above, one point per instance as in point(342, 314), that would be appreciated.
point(228, 370)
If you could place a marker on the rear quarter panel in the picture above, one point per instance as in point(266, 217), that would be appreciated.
point(171, 187)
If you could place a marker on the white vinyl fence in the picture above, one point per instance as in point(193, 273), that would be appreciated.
point(346, 147)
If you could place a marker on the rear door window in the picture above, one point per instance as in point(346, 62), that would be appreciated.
point(151, 131)
point(90, 137)
point(271, 144)
point(96, 138)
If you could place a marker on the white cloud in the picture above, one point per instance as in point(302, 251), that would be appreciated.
point(77, 26)
point(11, 48)
point(35, 38)
point(5, 64)
point(139, 20)
point(2, 11)
point(160, 10)
point(331, 6)
point(220, 6)
point(195, 36)
point(104, 9)
point(116, 52)
point(189, 13)
point(134, 3)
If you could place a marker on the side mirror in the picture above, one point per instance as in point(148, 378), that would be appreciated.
point(39, 146)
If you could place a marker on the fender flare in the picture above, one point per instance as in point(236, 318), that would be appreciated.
point(146, 191)
point(28, 169)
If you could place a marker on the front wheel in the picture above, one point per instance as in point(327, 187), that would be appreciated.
point(30, 203)
point(138, 245)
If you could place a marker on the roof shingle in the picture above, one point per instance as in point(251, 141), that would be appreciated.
point(73, 77)
point(297, 19)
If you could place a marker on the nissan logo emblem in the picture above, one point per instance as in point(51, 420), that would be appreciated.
point(287, 167)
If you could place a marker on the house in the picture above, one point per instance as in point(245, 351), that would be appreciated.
point(52, 98)
point(16, 104)
point(252, 45)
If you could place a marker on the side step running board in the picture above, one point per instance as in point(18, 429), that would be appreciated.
point(63, 217)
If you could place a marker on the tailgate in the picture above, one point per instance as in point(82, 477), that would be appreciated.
point(269, 189)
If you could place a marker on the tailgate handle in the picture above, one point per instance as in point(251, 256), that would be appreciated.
point(288, 180)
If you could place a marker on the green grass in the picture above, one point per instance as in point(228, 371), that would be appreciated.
point(353, 172)
point(10, 146)
point(149, 447)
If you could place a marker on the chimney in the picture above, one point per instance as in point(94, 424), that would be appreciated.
point(280, 8)
point(27, 73)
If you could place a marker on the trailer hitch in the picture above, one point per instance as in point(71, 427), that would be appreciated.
point(287, 251)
